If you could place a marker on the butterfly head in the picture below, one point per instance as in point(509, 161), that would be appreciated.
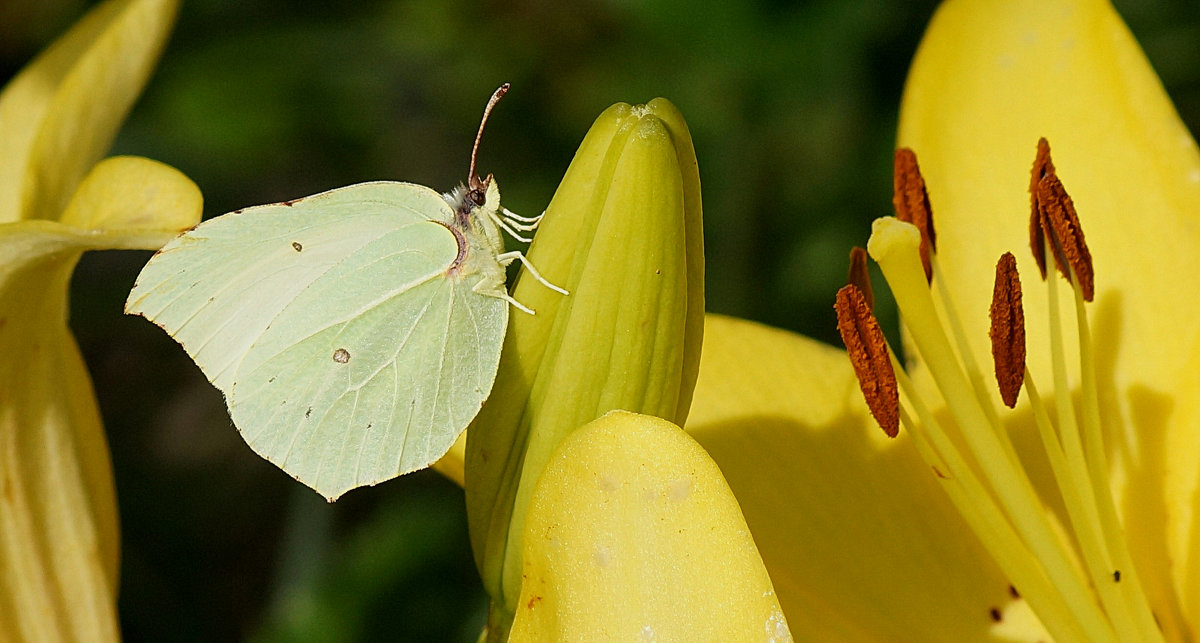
point(473, 201)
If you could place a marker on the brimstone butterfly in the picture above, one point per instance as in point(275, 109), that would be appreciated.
point(355, 333)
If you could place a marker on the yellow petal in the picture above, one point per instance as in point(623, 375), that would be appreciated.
point(988, 80)
point(621, 235)
point(131, 193)
point(1181, 492)
point(859, 539)
point(453, 464)
point(58, 519)
point(633, 535)
point(60, 114)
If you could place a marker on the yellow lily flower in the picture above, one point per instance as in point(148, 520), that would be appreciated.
point(1070, 516)
point(58, 518)
point(1074, 522)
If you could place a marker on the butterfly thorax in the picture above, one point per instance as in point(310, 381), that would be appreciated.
point(478, 235)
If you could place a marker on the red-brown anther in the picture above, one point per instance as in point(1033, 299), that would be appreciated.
point(860, 276)
point(869, 355)
point(1042, 166)
point(1008, 330)
point(911, 201)
point(1061, 224)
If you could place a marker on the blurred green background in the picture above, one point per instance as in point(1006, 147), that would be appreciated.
point(792, 107)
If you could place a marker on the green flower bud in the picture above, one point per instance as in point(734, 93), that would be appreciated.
point(623, 235)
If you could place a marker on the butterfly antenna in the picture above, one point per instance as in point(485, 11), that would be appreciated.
point(472, 178)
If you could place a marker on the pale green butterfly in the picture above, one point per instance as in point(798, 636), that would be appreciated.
point(355, 333)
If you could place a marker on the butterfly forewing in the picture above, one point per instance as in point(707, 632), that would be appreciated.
point(346, 351)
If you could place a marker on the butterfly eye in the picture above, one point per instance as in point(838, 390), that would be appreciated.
point(477, 197)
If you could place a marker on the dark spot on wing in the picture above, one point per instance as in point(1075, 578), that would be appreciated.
point(308, 413)
point(341, 356)
point(995, 614)
point(296, 246)
point(270, 379)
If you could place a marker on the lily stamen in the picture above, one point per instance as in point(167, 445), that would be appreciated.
point(1008, 330)
point(984, 516)
point(870, 356)
point(911, 202)
point(895, 247)
point(1079, 578)
point(1061, 228)
point(910, 199)
point(859, 277)
point(1089, 504)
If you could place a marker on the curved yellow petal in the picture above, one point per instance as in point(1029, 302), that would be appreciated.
point(988, 80)
point(131, 193)
point(633, 535)
point(859, 539)
point(60, 114)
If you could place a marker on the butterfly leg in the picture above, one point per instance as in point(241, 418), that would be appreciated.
point(524, 227)
point(504, 225)
point(485, 287)
point(506, 258)
point(509, 214)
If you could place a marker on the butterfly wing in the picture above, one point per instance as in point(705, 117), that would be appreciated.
point(346, 352)
point(380, 387)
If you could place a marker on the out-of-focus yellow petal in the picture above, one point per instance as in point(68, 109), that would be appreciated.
point(135, 194)
point(860, 541)
point(58, 519)
point(633, 535)
point(60, 114)
point(988, 80)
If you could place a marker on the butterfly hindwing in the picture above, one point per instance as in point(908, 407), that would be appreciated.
point(382, 385)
